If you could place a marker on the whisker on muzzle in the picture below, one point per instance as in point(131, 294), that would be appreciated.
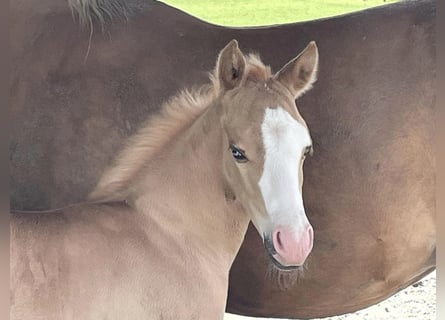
point(283, 279)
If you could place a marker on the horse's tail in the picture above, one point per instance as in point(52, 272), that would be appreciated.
point(102, 10)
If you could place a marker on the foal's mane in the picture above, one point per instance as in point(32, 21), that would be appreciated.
point(175, 115)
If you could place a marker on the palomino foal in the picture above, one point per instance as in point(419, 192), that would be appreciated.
point(168, 218)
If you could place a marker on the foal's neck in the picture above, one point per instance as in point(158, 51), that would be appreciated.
point(184, 189)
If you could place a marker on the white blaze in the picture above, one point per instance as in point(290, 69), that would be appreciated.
point(285, 140)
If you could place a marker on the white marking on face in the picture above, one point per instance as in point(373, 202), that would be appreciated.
point(285, 140)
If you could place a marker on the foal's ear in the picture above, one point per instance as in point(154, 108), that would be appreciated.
point(230, 66)
point(300, 73)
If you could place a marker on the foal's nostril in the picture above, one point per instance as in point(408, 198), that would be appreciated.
point(310, 234)
point(279, 243)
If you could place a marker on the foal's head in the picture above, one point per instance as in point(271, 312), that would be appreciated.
point(265, 143)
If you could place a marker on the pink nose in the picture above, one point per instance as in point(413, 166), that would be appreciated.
point(292, 248)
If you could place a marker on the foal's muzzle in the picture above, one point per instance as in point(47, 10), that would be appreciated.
point(268, 244)
point(288, 249)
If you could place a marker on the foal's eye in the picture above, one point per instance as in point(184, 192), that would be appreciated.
point(308, 151)
point(238, 154)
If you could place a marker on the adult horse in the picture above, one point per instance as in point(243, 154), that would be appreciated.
point(369, 189)
point(188, 183)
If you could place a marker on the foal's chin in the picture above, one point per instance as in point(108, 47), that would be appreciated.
point(277, 264)
point(281, 276)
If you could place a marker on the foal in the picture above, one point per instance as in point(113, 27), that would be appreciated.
point(168, 218)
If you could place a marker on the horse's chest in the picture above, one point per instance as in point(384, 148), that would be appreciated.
point(187, 292)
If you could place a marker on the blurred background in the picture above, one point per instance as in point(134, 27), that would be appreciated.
point(240, 13)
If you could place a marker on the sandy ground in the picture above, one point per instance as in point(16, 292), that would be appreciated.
point(415, 302)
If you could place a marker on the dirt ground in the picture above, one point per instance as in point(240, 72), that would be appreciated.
point(415, 302)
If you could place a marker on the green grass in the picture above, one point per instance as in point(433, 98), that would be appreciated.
point(267, 12)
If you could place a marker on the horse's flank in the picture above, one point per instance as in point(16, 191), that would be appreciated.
point(175, 115)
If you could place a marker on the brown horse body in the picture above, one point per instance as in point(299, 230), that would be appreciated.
point(369, 189)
